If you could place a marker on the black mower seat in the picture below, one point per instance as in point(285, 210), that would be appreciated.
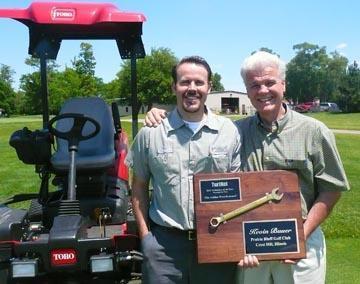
point(96, 153)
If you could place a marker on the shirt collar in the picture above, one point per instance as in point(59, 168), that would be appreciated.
point(174, 121)
point(277, 125)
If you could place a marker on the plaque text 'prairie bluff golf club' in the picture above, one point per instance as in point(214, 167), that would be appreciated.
point(216, 190)
point(271, 236)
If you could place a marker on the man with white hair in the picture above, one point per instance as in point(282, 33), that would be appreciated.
point(278, 138)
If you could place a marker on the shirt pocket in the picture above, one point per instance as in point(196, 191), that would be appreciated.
point(219, 159)
point(288, 164)
point(295, 164)
point(164, 164)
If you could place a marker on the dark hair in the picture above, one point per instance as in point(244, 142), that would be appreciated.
point(192, 59)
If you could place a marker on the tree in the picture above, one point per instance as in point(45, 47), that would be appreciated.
point(85, 63)
point(6, 97)
point(335, 72)
point(111, 90)
point(65, 85)
point(34, 62)
point(350, 89)
point(7, 93)
point(6, 74)
point(154, 79)
point(217, 86)
point(30, 90)
point(78, 81)
point(313, 73)
point(30, 85)
point(266, 50)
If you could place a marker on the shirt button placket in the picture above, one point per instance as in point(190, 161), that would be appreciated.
point(191, 170)
point(266, 159)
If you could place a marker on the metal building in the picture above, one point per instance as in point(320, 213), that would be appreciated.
point(230, 102)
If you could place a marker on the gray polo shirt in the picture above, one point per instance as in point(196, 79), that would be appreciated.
point(296, 142)
point(170, 154)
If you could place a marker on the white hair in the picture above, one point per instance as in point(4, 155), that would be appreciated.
point(260, 60)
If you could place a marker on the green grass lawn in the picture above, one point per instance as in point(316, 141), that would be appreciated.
point(22, 119)
point(349, 121)
point(342, 229)
point(345, 219)
point(15, 177)
point(343, 265)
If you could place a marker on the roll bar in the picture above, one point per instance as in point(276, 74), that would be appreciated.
point(51, 22)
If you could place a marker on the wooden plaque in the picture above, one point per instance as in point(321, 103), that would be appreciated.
point(272, 231)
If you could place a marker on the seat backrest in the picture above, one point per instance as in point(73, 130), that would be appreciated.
point(96, 153)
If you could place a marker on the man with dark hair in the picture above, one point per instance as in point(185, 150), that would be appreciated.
point(192, 59)
point(189, 140)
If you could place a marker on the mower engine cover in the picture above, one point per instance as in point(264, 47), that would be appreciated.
point(11, 223)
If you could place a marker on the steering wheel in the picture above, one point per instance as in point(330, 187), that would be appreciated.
point(74, 135)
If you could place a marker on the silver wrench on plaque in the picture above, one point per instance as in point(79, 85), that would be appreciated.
point(273, 196)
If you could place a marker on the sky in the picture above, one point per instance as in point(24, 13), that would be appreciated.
point(224, 32)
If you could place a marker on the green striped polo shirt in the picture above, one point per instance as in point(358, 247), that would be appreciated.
point(298, 143)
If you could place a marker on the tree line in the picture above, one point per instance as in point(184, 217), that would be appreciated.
point(312, 73)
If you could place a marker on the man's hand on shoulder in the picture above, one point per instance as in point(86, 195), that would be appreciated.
point(154, 117)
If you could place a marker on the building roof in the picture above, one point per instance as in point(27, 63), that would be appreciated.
point(228, 92)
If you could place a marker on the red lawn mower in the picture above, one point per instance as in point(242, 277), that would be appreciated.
point(82, 232)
